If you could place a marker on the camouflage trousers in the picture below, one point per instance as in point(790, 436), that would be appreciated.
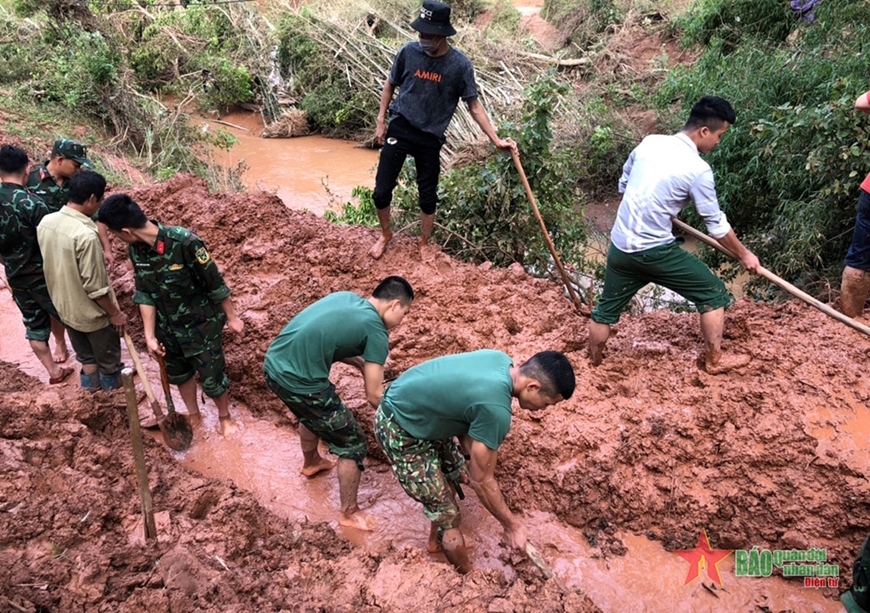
point(36, 307)
point(425, 469)
point(209, 363)
point(328, 418)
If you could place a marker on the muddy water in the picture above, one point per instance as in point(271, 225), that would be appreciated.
point(309, 172)
point(264, 459)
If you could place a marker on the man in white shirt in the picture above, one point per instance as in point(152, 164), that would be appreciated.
point(658, 180)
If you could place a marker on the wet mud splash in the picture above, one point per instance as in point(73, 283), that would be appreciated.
point(773, 455)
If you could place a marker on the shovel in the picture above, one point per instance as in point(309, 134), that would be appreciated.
point(177, 423)
point(538, 560)
point(177, 437)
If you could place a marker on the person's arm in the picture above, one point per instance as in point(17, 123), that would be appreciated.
point(95, 280)
point(386, 98)
point(478, 114)
point(108, 254)
point(355, 361)
point(626, 172)
point(863, 103)
point(149, 326)
point(235, 324)
point(116, 315)
point(373, 375)
point(481, 469)
point(747, 259)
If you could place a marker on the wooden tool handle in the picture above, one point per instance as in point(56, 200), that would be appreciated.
point(778, 281)
point(144, 379)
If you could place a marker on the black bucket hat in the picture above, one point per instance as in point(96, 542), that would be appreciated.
point(434, 19)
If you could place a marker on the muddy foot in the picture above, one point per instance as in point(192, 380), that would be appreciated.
point(314, 469)
point(433, 546)
point(228, 427)
point(195, 419)
point(358, 520)
point(61, 354)
point(380, 247)
point(728, 363)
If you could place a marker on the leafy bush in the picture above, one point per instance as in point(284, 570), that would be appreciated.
point(732, 20)
point(787, 172)
point(362, 214)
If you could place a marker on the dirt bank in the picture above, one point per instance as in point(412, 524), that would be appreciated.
point(773, 455)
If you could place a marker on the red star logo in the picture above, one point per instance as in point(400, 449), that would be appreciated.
point(702, 555)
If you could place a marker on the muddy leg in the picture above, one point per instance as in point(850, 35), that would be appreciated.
point(598, 335)
point(455, 551)
point(188, 395)
point(712, 325)
point(312, 461)
point(853, 291)
point(386, 234)
point(348, 486)
point(61, 353)
point(432, 545)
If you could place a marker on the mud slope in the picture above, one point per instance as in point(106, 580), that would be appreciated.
point(69, 509)
point(773, 454)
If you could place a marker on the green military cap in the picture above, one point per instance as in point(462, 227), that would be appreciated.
point(72, 150)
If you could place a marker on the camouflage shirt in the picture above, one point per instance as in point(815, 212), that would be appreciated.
point(20, 213)
point(178, 277)
point(41, 183)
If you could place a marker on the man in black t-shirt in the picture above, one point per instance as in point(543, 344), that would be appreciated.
point(432, 77)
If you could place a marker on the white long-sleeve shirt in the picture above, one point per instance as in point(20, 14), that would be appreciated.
point(659, 179)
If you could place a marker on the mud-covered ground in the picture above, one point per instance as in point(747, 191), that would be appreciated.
point(772, 455)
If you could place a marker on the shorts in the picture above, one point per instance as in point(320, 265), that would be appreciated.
point(101, 347)
point(859, 251)
point(667, 265)
point(326, 416)
point(425, 469)
point(36, 309)
point(210, 364)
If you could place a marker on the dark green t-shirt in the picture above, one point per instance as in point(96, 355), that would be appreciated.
point(339, 326)
point(466, 393)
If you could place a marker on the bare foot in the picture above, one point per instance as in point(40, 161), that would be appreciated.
point(432, 546)
point(61, 353)
point(228, 426)
point(358, 520)
point(195, 419)
point(728, 362)
point(317, 467)
point(379, 247)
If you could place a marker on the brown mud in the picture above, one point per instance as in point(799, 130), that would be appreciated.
point(772, 455)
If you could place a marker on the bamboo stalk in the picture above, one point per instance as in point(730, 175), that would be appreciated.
point(778, 281)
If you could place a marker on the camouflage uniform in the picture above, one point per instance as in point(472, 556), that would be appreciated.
point(41, 183)
point(328, 418)
point(178, 277)
point(20, 214)
point(426, 469)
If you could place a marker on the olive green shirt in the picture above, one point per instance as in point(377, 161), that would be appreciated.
point(465, 393)
point(75, 271)
point(339, 326)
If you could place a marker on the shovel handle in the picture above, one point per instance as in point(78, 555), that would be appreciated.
point(164, 380)
point(155, 406)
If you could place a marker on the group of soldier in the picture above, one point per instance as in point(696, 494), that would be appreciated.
point(54, 241)
point(440, 423)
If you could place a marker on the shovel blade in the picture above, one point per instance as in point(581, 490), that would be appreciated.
point(177, 431)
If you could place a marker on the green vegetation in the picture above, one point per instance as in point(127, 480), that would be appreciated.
point(788, 172)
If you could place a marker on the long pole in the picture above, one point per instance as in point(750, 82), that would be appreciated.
point(778, 281)
point(139, 455)
point(577, 304)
